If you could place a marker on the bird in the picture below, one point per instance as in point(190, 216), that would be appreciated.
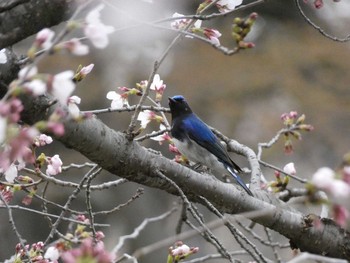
point(196, 141)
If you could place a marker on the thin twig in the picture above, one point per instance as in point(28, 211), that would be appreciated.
point(318, 28)
point(206, 234)
point(191, 233)
point(256, 254)
point(88, 201)
point(14, 228)
point(68, 203)
point(269, 238)
point(138, 229)
point(302, 180)
point(139, 192)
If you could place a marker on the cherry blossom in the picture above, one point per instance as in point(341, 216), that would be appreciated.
point(76, 47)
point(11, 109)
point(158, 86)
point(162, 137)
point(73, 106)
point(289, 169)
point(3, 56)
point(63, 86)
point(146, 117)
point(213, 35)
point(44, 38)
point(54, 166)
point(83, 72)
point(52, 253)
point(27, 72)
point(181, 250)
point(11, 173)
point(182, 23)
point(88, 252)
point(227, 5)
point(323, 177)
point(118, 101)
point(337, 190)
point(36, 87)
point(95, 30)
point(42, 140)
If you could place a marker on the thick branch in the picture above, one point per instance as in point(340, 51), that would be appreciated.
point(20, 19)
point(128, 159)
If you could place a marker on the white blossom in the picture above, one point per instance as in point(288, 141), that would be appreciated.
point(117, 100)
point(3, 56)
point(289, 169)
point(63, 86)
point(95, 30)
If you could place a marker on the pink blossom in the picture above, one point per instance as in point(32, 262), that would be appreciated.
point(18, 146)
point(63, 86)
point(174, 149)
point(89, 252)
point(337, 190)
point(54, 166)
point(83, 218)
point(44, 38)
point(213, 35)
point(162, 137)
point(95, 30)
point(11, 109)
point(42, 140)
point(76, 47)
point(227, 5)
point(341, 215)
point(56, 128)
point(181, 250)
point(7, 193)
point(289, 169)
point(157, 84)
point(87, 69)
point(118, 101)
point(100, 235)
point(182, 23)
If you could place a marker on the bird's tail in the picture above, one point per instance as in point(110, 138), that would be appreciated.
point(239, 180)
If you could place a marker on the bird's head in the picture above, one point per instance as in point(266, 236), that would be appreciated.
point(178, 106)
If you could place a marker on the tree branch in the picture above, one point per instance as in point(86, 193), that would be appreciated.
point(128, 159)
point(34, 15)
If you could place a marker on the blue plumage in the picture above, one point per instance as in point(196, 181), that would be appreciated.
point(197, 142)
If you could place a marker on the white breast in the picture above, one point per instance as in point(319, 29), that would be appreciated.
point(198, 154)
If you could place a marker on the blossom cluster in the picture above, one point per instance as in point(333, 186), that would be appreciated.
point(294, 124)
point(180, 252)
point(336, 184)
point(88, 249)
point(18, 142)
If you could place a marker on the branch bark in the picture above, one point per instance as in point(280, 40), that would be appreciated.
point(23, 18)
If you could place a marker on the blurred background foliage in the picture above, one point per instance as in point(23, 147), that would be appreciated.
point(292, 67)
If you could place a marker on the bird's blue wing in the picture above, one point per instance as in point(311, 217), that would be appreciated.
point(199, 132)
